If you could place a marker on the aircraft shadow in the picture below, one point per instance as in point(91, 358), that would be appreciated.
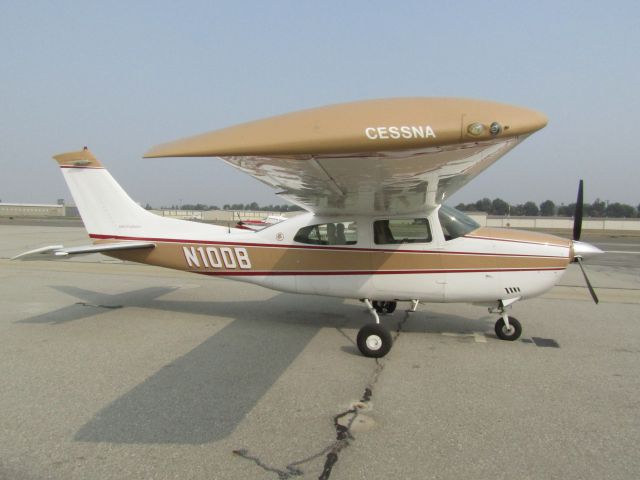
point(202, 396)
point(95, 303)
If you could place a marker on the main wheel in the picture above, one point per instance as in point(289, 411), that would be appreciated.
point(512, 333)
point(384, 307)
point(374, 340)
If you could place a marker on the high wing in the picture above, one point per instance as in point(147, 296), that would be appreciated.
point(60, 252)
point(394, 182)
point(379, 156)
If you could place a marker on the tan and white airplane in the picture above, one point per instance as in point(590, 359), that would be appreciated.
point(373, 176)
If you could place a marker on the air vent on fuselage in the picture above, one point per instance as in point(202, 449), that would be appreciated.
point(512, 289)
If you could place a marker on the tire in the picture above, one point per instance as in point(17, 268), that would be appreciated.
point(384, 307)
point(503, 334)
point(374, 340)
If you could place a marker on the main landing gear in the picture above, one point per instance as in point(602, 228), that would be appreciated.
point(374, 340)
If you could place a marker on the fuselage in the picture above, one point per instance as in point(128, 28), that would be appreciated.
point(391, 258)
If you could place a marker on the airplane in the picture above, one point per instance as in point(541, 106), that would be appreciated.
point(373, 177)
point(260, 224)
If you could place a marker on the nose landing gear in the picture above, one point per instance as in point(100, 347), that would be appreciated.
point(506, 328)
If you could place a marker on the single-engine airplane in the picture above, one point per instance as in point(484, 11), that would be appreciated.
point(373, 177)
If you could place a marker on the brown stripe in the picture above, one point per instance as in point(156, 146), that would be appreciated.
point(288, 261)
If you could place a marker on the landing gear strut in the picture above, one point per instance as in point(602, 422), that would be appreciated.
point(374, 340)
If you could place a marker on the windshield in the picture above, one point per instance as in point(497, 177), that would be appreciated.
point(455, 223)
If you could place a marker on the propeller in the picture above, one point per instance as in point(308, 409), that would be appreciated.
point(586, 279)
point(577, 216)
point(581, 249)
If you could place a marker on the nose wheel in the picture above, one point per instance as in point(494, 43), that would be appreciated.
point(508, 328)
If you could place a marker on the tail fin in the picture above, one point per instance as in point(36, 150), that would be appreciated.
point(104, 206)
point(107, 210)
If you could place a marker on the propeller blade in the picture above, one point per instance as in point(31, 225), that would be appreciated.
point(577, 216)
point(591, 290)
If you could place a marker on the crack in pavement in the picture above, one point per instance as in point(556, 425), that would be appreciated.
point(341, 332)
point(290, 472)
point(344, 435)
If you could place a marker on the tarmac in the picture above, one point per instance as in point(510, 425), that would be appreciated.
point(112, 370)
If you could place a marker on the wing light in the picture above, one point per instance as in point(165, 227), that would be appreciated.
point(476, 129)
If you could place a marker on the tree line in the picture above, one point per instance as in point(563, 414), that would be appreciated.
point(548, 208)
point(497, 206)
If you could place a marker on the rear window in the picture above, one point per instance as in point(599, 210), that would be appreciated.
point(336, 233)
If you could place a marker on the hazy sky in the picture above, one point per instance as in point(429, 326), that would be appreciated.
point(121, 77)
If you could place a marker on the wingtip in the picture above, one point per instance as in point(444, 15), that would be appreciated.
point(151, 154)
point(159, 151)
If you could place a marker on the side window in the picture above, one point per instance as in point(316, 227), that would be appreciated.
point(338, 233)
point(401, 230)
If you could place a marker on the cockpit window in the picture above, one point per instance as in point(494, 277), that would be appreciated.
point(338, 233)
point(401, 230)
point(454, 223)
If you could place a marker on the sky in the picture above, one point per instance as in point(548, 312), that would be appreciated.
point(121, 77)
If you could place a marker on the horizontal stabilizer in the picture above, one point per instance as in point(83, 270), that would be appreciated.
point(59, 251)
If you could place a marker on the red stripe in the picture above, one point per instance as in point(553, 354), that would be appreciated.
point(287, 246)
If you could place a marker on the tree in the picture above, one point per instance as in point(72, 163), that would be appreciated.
point(530, 209)
point(547, 208)
point(516, 210)
point(483, 205)
point(596, 209)
point(499, 207)
point(567, 210)
point(620, 210)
